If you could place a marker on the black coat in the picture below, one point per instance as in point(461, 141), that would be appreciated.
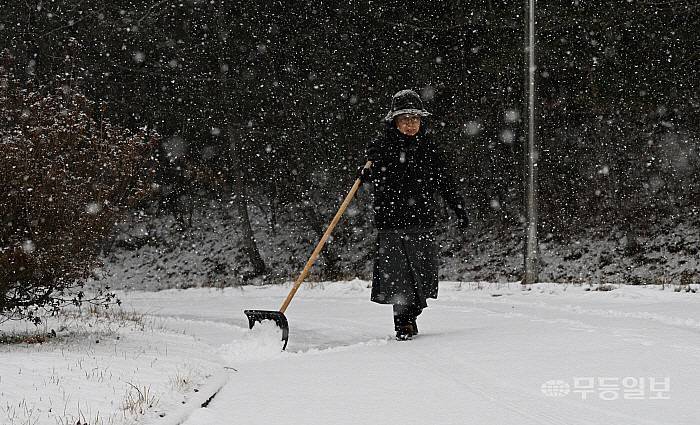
point(407, 173)
point(405, 268)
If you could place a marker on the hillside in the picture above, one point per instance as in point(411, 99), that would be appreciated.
point(158, 252)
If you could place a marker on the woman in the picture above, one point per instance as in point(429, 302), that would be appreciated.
point(407, 171)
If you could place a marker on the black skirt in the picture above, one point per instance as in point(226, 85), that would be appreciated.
point(405, 268)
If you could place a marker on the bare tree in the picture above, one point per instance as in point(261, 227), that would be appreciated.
point(250, 246)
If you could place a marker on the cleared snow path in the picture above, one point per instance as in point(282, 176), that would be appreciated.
point(483, 355)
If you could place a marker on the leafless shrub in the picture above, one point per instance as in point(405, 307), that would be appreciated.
point(68, 175)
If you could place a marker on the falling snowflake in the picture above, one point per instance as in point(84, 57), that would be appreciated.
point(28, 246)
point(93, 208)
point(472, 128)
point(139, 56)
point(512, 115)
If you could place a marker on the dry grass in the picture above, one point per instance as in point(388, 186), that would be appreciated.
point(75, 331)
point(139, 399)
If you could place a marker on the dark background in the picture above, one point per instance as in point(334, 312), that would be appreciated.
point(285, 94)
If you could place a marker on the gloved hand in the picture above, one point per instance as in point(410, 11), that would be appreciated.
point(373, 151)
point(364, 174)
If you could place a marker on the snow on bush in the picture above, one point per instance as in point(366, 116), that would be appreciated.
point(68, 175)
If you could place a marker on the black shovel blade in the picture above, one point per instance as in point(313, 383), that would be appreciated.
point(255, 316)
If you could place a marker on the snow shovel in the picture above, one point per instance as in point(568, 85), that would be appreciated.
point(278, 317)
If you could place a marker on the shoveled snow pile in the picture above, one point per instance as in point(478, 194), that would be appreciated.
point(263, 342)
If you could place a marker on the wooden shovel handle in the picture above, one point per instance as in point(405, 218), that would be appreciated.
point(322, 242)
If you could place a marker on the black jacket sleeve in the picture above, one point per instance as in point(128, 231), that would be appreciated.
point(372, 153)
point(373, 150)
point(446, 185)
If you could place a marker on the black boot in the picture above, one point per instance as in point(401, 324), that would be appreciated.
point(415, 312)
point(402, 322)
point(404, 333)
point(414, 326)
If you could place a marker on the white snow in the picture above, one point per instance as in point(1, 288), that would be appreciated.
point(487, 354)
point(263, 342)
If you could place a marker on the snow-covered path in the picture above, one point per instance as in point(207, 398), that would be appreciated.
point(627, 356)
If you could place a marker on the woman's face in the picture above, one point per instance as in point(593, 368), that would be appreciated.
point(408, 124)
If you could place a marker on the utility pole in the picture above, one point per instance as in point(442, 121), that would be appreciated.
point(531, 156)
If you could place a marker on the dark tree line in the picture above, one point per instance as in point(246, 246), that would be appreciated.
point(274, 101)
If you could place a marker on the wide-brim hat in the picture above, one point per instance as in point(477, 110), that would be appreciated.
point(406, 102)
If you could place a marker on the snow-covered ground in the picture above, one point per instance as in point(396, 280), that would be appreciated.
point(487, 354)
